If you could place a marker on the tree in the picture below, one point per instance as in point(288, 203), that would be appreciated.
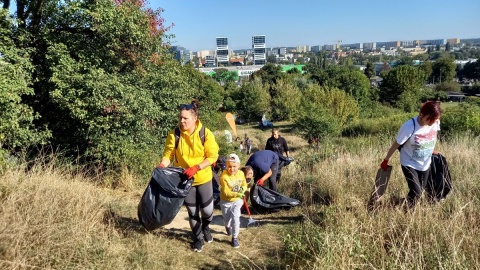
point(471, 70)
point(253, 100)
point(340, 104)
point(448, 47)
point(269, 74)
point(271, 59)
point(444, 69)
point(350, 80)
point(401, 86)
point(285, 105)
point(16, 118)
point(107, 88)
point(369, 70)
point(426, 66)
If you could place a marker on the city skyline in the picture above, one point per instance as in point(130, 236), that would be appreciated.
point(198, 23)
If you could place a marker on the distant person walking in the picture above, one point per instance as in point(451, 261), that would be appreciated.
point(248, 145)
point(233, 186)
point(278, 144)
point(196, 155)
point(265, 166)
point(418, 137)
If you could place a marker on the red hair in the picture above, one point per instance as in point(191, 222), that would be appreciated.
point(432, 109)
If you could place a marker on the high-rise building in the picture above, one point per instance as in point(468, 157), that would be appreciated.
point(316, 48)
point(181, 54)
point(258, 47)
point(222, 50)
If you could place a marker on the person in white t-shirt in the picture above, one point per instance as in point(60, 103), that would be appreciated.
point(417, 138)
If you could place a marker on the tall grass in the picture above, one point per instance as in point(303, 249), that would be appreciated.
point(339, 233)
point(57, 218)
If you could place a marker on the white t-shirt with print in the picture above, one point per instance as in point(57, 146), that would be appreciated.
point(418, 148)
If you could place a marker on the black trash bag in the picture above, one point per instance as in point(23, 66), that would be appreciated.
point(264, 199)
point(163, 197)
point(220, 165)
point(439, 183)
point(285, 160)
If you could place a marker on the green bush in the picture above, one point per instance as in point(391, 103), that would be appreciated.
point(387, 126)
point(462, 118)
point(317, 122)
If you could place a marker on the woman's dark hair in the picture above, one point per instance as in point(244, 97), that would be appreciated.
point(192, 107)
point(432, 109)
point(246, 169)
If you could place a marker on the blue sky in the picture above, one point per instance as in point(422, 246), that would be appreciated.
point(316, 22)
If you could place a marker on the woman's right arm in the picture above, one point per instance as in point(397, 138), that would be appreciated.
point(169, 149)
point(392, 150)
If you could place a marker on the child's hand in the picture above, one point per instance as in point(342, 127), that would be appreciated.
point(241, 194)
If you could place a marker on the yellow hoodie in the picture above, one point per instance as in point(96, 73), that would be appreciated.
point(191, 152)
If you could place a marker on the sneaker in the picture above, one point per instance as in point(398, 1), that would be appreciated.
point(229, 230)
point(235, 243)
point(198, 245)
point(207, 235)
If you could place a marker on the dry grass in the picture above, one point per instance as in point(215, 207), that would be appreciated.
point(54, 219)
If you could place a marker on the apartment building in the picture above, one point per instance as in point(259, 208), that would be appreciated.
point(222, 50)
point(259, 50)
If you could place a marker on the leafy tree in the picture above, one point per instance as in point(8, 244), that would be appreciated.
point(448, 47)
point(16, 118)
point(471, 70)
point(104, 82)
point(285, 104)
point(209, 94)
point(401, 86)
point(448, 87)
point(426, 66)
point(318, 122)
point(369, 70)
point(271, 59)
point(253, 100)
point(350, 80)
point(269, 74)
point(294, 71)
point(444, 69)
point(340, 104)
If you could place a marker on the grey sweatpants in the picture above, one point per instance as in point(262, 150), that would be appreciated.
point(231, 215)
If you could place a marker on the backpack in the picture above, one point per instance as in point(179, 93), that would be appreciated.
point(177, 136)
point(400, 147)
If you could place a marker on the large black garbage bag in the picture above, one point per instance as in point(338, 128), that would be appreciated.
point(264, 199)
point(163, 197)
point(439, 183)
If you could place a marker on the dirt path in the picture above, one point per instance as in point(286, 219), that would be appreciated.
point(181, 221)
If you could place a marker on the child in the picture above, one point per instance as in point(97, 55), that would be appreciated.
point(248, 172)
point(232, 189)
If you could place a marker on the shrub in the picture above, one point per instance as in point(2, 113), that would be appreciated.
point(462, 118)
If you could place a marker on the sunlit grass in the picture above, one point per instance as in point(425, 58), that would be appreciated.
point(55, 218)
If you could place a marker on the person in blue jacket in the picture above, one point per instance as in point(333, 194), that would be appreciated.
point(265, 166)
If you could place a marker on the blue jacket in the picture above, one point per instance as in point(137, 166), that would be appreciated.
point(262, 160)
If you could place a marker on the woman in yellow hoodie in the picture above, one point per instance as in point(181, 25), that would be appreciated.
point(195, 155)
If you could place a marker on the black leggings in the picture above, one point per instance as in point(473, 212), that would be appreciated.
point(200, 200)
point(416, 180)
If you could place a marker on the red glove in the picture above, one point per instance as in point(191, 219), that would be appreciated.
point(384, 164)
point(160, 165)
point(190, 172)
point(260, 182)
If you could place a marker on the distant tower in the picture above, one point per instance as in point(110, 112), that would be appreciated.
point(258, 47)
point(222, 50)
